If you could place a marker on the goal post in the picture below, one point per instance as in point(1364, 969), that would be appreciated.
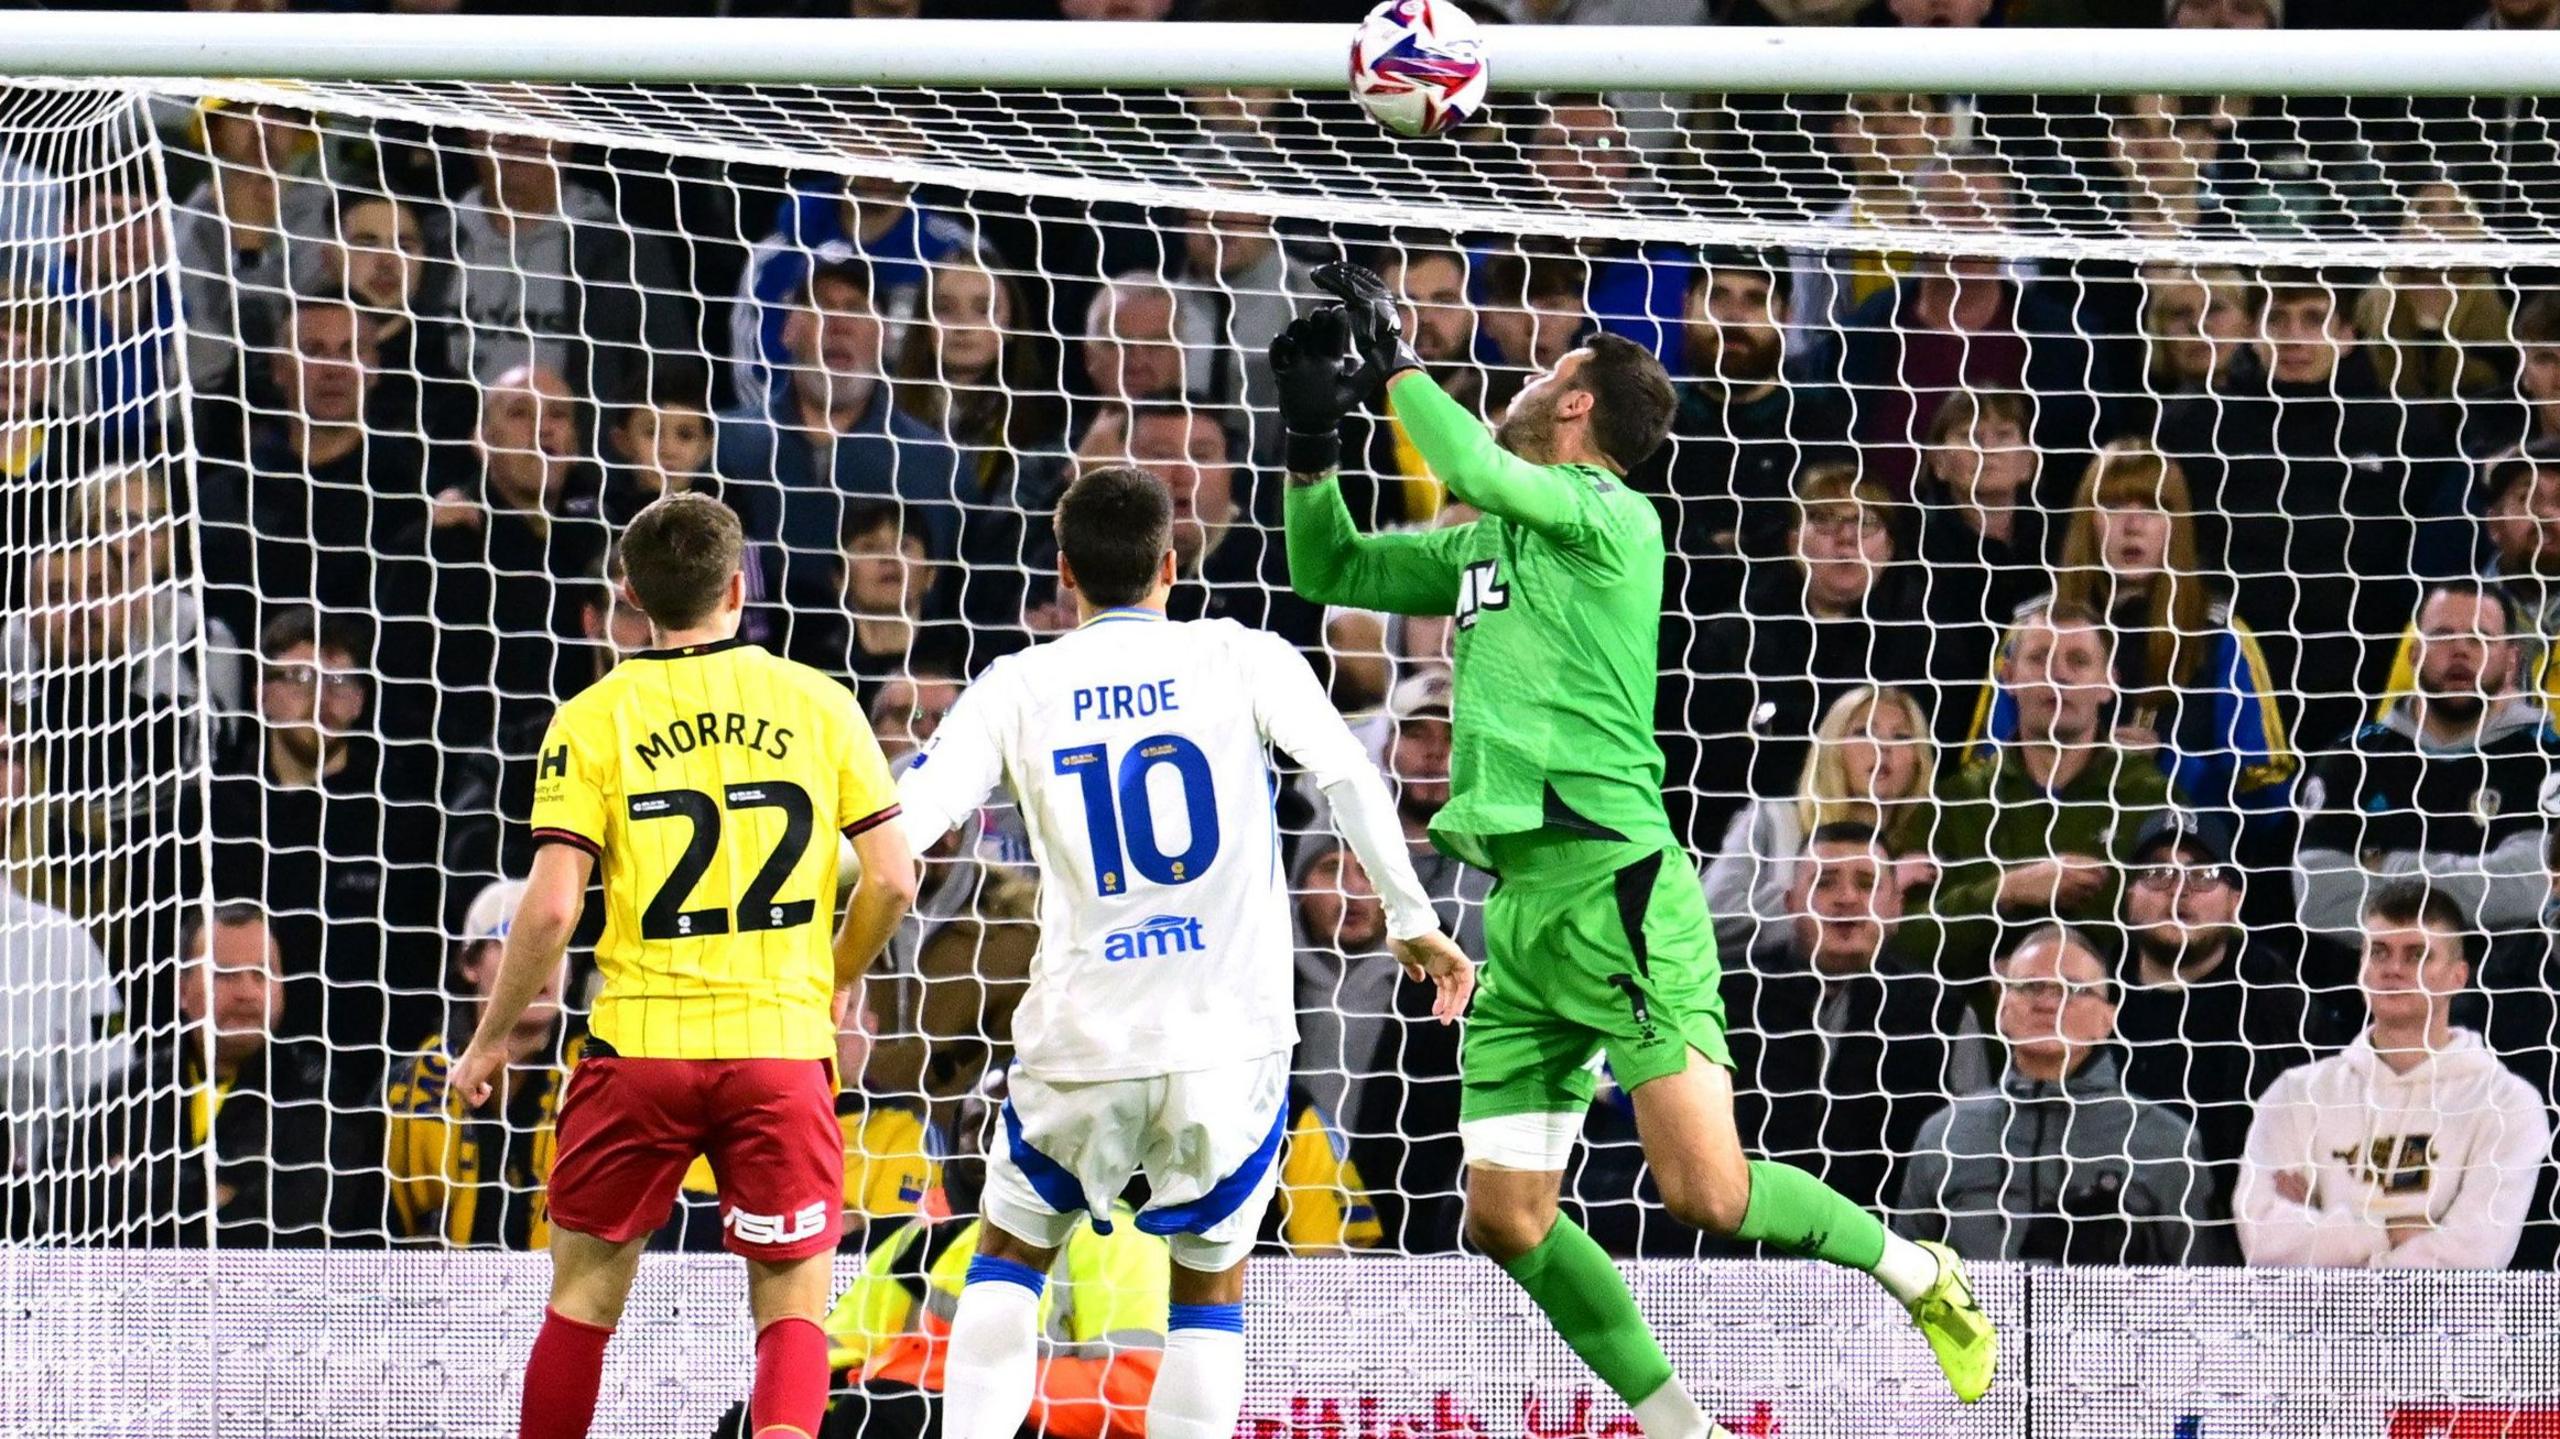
point(333, 350)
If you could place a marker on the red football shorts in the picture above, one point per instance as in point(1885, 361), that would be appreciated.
point(630, 1128)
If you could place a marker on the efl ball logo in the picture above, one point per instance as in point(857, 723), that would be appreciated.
point(1418, 66)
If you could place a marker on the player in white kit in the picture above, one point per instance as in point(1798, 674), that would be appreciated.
point(1156, 1034)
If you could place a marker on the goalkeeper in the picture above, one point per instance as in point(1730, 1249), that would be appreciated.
point(1598, 935)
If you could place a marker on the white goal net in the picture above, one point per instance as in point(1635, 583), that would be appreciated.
point(2106, 643)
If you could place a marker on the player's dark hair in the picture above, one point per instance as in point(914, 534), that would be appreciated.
point(1114, 525)
point(2406, 902)
point(1633, 399)
point(678, 554)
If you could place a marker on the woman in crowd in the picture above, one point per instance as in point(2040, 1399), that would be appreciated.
point(972, 370)
point(2192, 687)
point(1871, 763)
point(1982, 526)
point(2440, 334)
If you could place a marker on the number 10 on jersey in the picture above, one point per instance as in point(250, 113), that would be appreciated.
point(1120, 816)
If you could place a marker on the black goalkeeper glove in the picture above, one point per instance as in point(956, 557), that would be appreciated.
point(1321, 380)
point(1377, 322)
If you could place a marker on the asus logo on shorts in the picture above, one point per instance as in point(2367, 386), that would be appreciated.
point(808, 1223)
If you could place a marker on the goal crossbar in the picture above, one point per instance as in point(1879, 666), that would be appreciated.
point(660, 50)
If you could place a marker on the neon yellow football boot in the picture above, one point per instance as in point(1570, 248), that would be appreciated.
point(1959, 1333)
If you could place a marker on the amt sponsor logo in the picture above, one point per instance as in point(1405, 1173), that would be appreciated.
point(1154, 937)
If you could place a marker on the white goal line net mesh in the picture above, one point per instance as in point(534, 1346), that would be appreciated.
point(2134, 513)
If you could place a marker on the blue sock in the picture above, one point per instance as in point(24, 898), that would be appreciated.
point(988, 1269)
point(1228, 1317)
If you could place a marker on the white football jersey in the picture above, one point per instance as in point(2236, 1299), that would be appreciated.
point(1135, 749)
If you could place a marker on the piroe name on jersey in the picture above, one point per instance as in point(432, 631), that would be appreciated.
point(1137, 701)
point(691, 732)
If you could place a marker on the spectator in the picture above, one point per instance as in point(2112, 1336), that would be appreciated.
point(115, 673)
point(123, 317)
point(2193, 689)
point(2211, 1011)
point(546, 262)
point(1133, 354)
point(1583, 155)
point(466, 1176)
point(2447, 785)
point(881, 625)
point(1227, 566)
point(1536, 309)
point(1883, 141)
point(978, 376)
point(254, 1100)
point(1345, 986)
point(31, 440)
point(2039, 827)
point(239, 232)
point(1983, 540)
point(513, 532)
point(1416, 762)
point(2521, 494)
point(830, 435)
point(908, 708)
point(311, 823)
point(1726, 484)
point(392, 265)
point(62, 1043)
point(1239, 290)
point(2193, 337)
point(1870, 763)
point(328, 502)
point(2161, 176)
point(1840, 613)
point(2413, 1149)
point(2439, 335)
point(2324, 497)
point(1843, 1036)
point(1963, 323)
point(2059, 1164)
point(2532, 422)
point(874, 220)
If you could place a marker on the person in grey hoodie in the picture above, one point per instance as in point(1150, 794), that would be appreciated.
point(2446, 785)
point(2059, 1163)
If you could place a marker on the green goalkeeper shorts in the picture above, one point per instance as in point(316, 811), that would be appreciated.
point(1615, 962)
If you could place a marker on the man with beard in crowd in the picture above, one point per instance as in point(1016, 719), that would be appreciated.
point(2447, 784)
point(2210, 1012)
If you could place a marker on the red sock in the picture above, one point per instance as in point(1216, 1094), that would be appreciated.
point(562, 1377)
point(790, 1399)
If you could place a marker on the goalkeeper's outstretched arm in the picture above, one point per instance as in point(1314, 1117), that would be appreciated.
point(1332, 563)
point(1463, 455)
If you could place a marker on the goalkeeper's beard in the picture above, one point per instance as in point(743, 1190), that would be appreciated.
point(1528, 431)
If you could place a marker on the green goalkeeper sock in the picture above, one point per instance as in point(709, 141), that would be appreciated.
point(1572, 1279)
point(1804, 1216)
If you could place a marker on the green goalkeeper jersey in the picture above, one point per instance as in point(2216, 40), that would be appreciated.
point(1558, 597)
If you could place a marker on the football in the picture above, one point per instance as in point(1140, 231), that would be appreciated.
point(1418, 66)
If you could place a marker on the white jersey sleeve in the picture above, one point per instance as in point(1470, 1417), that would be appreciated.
point(959, 767)
point(1292, 712)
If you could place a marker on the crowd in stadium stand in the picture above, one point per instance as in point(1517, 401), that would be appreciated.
point(2107, 702)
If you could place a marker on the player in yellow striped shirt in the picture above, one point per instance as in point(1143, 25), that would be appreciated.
point(709, 779)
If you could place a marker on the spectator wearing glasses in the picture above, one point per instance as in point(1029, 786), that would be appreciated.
point(309, 822)
point(2447, 784)
point(2059, 1163)
point(2211, 1011)
point(2413, 1149)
